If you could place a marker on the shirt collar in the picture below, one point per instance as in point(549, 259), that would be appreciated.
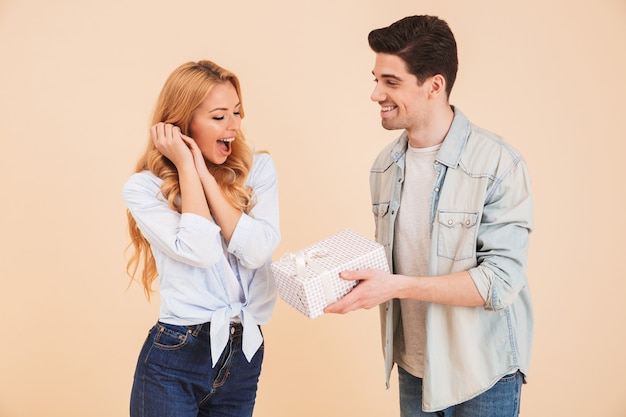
point(397, 153)
point(452, 146)
point(454, 142)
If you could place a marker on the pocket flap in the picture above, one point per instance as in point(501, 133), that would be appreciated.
point(380, 209)
point(458, 219)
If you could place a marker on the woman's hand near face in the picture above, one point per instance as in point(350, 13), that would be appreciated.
point(175, 146)
point(198, 158)
point(169, 141)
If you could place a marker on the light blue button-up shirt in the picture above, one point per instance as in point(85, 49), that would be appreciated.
point(481, 216)
point(192, 260)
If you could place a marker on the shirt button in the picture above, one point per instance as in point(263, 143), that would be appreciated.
point(450, 222)
point(232, 330)
point(467, 222)
point(436, 189)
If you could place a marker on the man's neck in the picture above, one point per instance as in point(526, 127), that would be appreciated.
point(435, 131)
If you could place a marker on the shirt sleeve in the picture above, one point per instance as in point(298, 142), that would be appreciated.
point(257, 234)
point(503, 237)
point(187, 238)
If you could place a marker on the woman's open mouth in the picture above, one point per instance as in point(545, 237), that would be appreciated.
point(225, 145)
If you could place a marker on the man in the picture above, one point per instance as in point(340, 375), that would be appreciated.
point(453, 208)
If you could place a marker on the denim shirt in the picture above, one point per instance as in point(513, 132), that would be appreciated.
point(192, 260)
point(481, 217)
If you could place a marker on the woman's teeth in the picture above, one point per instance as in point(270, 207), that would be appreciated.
point(225, 144)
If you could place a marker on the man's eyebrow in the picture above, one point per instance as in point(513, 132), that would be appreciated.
point(392, 76)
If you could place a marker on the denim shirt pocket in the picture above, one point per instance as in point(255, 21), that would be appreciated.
point(380, 209)
point(456, 238)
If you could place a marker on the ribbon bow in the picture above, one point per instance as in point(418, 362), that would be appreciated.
point(303, 259)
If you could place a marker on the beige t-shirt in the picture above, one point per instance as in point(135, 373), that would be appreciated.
point(411, 250)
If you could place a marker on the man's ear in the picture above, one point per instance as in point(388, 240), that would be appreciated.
point(437, 85)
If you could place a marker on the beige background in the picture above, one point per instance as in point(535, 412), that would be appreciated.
point(78, 80)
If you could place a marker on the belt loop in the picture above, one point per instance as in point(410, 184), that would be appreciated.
point(195, 329)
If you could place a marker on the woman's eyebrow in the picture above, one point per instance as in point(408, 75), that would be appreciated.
point(223, 108)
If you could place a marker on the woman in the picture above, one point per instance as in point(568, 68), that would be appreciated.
point(203, 217)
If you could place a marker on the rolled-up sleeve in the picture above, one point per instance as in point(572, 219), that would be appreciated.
point(503, 237)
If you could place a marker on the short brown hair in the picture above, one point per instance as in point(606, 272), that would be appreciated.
point(425, 43)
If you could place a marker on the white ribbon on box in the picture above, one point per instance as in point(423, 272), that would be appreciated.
point(303, 259)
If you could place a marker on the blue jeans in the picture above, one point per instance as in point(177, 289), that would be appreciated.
point(175, 378)
point(501, 400)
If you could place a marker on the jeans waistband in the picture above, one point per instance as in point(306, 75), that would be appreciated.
point(195, 329)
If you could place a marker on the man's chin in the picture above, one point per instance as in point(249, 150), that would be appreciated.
point(387, 125)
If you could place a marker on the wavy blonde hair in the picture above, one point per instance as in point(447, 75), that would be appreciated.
point(183, 92)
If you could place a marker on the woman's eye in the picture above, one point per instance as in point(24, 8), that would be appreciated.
point(237, 113)
point(218, 118)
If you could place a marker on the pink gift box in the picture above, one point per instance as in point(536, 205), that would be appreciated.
point(308, 280)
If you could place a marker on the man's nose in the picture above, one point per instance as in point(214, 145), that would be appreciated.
point(377, 95)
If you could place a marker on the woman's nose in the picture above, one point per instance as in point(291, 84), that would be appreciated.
point(235, 123)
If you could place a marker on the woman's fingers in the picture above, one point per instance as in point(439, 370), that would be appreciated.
point(168, 140)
